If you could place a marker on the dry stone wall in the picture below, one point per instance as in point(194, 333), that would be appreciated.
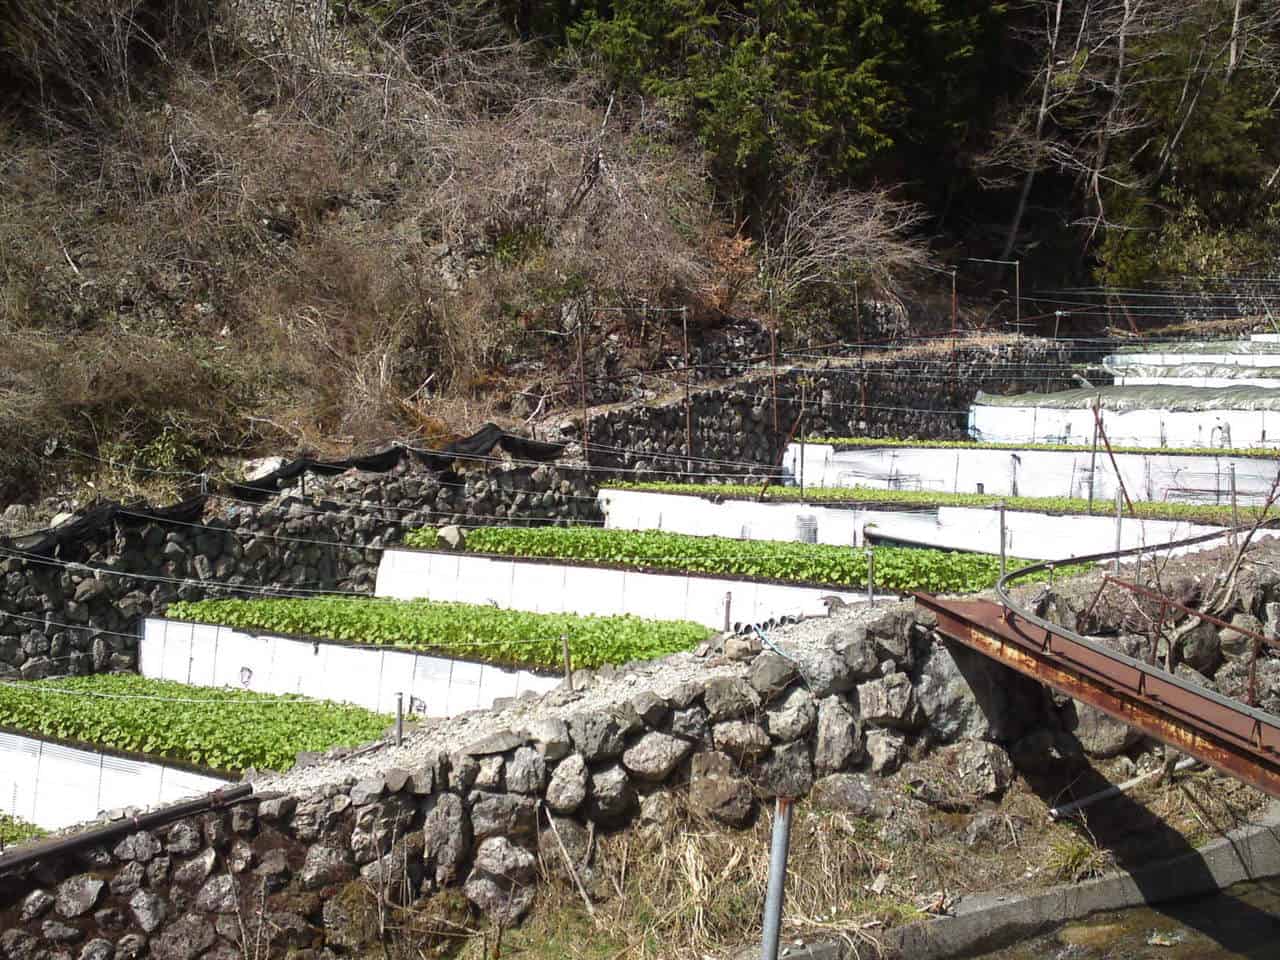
point(925, 396)
point(466, 826)
point(56, 619)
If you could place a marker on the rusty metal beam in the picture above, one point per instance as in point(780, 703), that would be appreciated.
point(1241, 741)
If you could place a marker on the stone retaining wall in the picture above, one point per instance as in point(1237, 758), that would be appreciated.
point(307, 872)
point(62, 620)
point(924, 396)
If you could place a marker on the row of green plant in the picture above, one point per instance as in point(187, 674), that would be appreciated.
point(1253, 452)
point(217, 728)
point(13, 830)
point(900, 569)
point(1192, 512)
point(489, 634)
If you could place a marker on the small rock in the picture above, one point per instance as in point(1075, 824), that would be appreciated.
point(195, 871)
point(500, 742)
point(770, 674)
point(367, 791)
point(183, 839)
point(741, 648)
point(132, 946)
point(277, 809)
point(979, 768)
point(651, 708)
point(889, 701)
point(98, 949)
point(691, 723)
point(35, 905)
point(59, 932)
point(596, 736)
point(446, 835)
point(128, 879)
point(526, 771)
point(141, 846)
point(148, 910)
point(185, 939)
point(218, 895)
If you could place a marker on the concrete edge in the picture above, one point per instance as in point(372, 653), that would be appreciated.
point(986, 922)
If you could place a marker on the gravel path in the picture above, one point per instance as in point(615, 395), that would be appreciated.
point(429, 737)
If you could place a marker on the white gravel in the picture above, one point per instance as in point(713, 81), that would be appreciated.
point(425, 739)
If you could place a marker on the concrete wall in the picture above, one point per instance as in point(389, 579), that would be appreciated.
point(562, 588)
point(216, 656)
point(1033, 536)
point(1036, 473)
point(55, 786)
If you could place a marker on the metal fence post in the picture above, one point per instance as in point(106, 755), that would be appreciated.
point(1115, 567)
point(1002, 540)
point(1235, 512)
point(728, 606)
point(777, 878)
point(399, 719)
point(568, 662)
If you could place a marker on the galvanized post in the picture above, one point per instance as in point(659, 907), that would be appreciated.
point(1115, 568)
point(777, 878)
point(728, 605)
point(399, 719)
point(1002, 540)
point(871, 577)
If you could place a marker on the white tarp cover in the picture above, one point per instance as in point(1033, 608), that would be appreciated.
point(1242, 347)
point(54, 786)
point(1169, 398)
point(1196, 371)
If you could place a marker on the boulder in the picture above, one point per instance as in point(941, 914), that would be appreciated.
point(1200, 647)
point(78, 895)
point(368, 790)
point(505, 815)
point(1100, 735)
point(886, 749)
point(965, 695)
point(889, 702)
point(846, 792)
point(184, 839)
point(568, 787)
point(977, 767)
point(148, 910)
point(128, 879)
point(691, 723)
point(839, 740)
point(596, 736)
point(730, 697)
point(1235, 645)
point(446, 836)
point(526, 771)
point(655, 755)
point(792, 717)
point(502, 882)
point(717, 790)
point(192, 874)
point(611, 799)
point(787, 771)
point(771, 674)
point(36, 904)
point(740, 739)
point(186, 939)
point(325, 865)
point(218, 895)
point(141, 846)
point(651, 708)
point(857, 649)
point(824, 671)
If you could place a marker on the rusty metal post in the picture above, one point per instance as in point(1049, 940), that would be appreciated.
point(777, 878)
point(1093, 455)
point(1115, 567)
point(1002, 540)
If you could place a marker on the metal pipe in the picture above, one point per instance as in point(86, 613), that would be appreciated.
point(1235, 512)
point(728, 607)
point(1057, 813)
point(1002, 540)
point(399, 719)
point(777, 878)
point(32, 853)
point(1115, 566)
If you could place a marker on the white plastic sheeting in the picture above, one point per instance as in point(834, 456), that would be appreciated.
point(213, 656)
point(54, 786)
point(1210, 369)
point(738, 519)
point(1036, 536)
point(560, 588)
point(1151, 476)
point(1137, 427)
point(1032, 536)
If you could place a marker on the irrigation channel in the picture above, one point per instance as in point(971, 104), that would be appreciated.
point(1240, 923)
